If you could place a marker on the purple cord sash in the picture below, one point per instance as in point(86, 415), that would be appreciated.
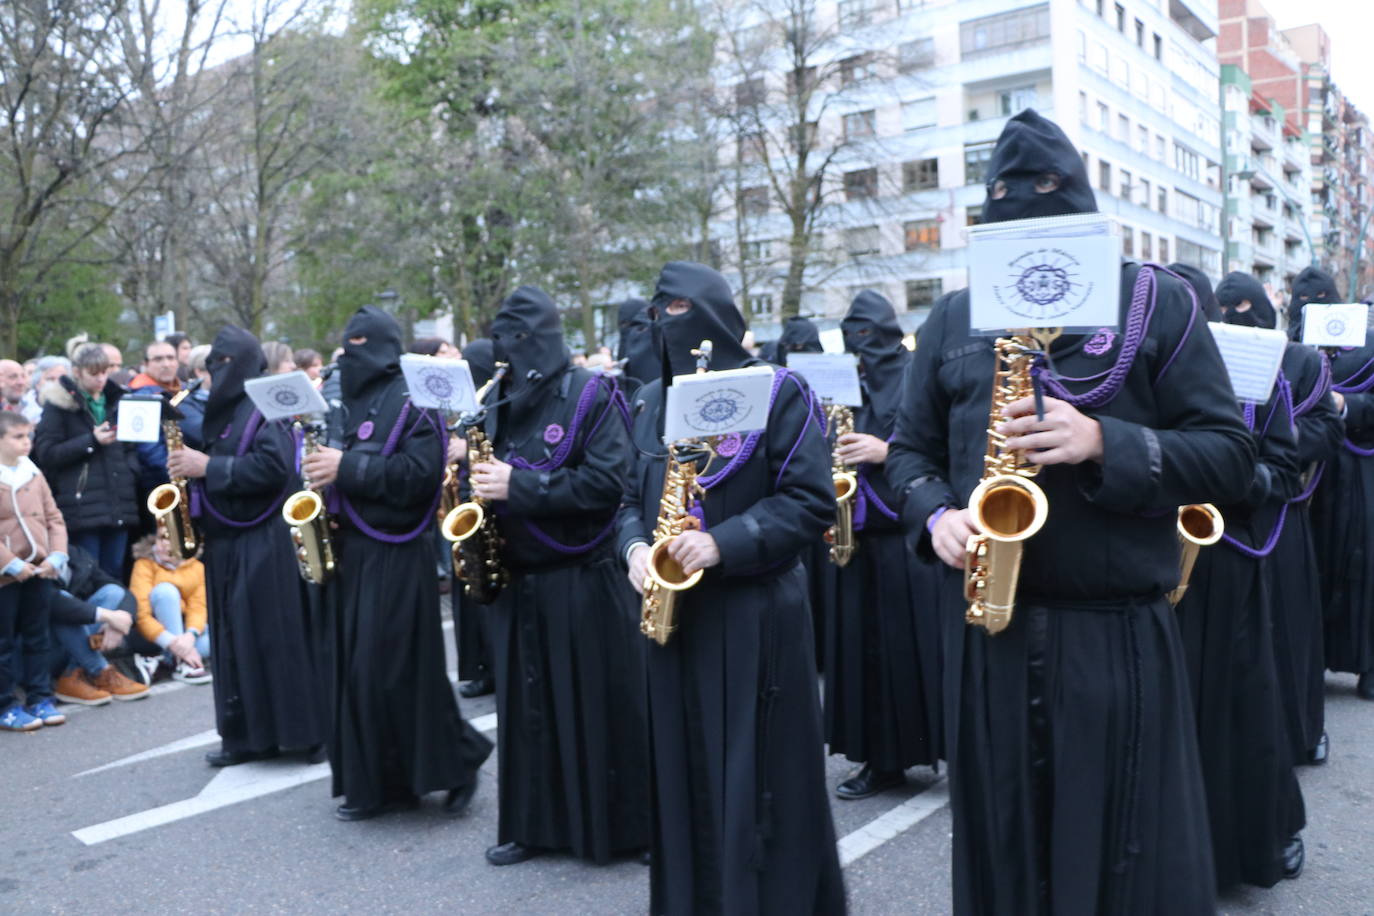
point(866, 496)
point(392, 441)
point(200, 499)
point(1269, 545)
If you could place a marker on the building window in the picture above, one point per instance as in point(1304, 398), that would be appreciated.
point(761, 304)
point(860, 124)
point(1163, 250)
point(1004, 31)
point(1082, 47)
point(1207, 259)
point(1125, 185)
point(1015, 101)
point(802, 137)
point(1123, 129)
point(916, 55)
point(753, 201)
point(1128, 241)
point(861, 184)
point(854, 13)
point(1098, 61)
point(801, 81)
point(1083, 107)
point(856, 69)
point(1159, 146)
point(757, 251)
point(1121, 19)
point(921, 294)
point(750, 93)
point(1143, 138)
point(1147, 248)
point(1187, 162)
point(1159, 48)
point(921, 234)
point(1104, 117)
point(862, 240)
point(1104, 175)
point(749, 147)
point(918, 114)
point(976, 156)
point(1163, 201)
point(1145, 198)
point(1140, 33)
point(920, 175)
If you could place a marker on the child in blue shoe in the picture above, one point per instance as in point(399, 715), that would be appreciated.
point(33, 553)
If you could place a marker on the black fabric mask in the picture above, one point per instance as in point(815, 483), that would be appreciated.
point(713, 316)
point(630, 309)
point(799, 335)
point(528, 335)
point(1312, 285)
point(481, 359)
point(1237, 287)
point(235, 357)
point(638, 347)
point(1030, 152)
point(871, 333)
point(377, 359)
point(1202, 288)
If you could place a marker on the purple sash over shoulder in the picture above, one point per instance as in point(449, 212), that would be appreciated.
point(398, 434)
point(200, 500)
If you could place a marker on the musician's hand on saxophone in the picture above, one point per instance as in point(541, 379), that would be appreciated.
point(1062, 436)
point(457, 447)
point(694, 550)
point(639, 566)
point(949, 536)
point(321, 466)
point(491, 479)
point(187, 462)
point(861, 448)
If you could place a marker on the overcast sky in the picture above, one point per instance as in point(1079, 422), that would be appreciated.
point(1350, 23)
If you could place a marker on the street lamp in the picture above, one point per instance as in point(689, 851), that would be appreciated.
point(393, 304)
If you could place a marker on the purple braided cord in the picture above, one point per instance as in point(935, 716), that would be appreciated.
point(813, 415)
point(1357, 450)
point(560, 455)
point(200, 499)
point(1192, 318)
point(1346, 387)
point(542, 537)
point(1137, 319)
point(1319, 390)
point(1311, 487)
point(1269, 545)
point(868, 495)
point(1248, 412)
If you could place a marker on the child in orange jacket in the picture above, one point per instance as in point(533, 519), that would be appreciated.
point(171, 607)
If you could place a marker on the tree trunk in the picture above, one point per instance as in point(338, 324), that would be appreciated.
point(798, 249)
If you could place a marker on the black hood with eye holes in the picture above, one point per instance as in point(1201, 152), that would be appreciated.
point(1202, 288)
point(713, 316)
point(872, 333)
point(1237, 287)
point(1311, 285)
point(638, 349)
point(481, 359)
point(378, 359)
point(235, 357)
point(799, 335)
point(528, 334)
point(1031, 146)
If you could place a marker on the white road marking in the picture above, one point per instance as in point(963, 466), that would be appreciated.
point(204, 739)
point(890, 825)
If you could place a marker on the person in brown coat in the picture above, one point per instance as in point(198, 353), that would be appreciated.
point(33, 553)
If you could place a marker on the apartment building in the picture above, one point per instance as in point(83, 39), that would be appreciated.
point(916, 114)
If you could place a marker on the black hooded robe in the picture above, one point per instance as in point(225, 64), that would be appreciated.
point(1227, 621)
point(1075, 783)
point(267, 695)
point(636, 351)
point(397, 732)
point(741, 819)
point(567, 654)
point(882, 683)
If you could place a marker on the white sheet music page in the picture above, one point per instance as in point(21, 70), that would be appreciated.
point(1252, 357)
point(833, 376)
point(717, 403)
point(287, 395)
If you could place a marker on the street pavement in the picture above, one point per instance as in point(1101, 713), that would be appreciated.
point(164, 833)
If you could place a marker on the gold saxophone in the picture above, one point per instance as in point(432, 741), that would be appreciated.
point(170, 503)
point(1006, 507)
point(1199, 525)
point(471, 529)
point(304, 512)
point(664, 577)
point(841, 534)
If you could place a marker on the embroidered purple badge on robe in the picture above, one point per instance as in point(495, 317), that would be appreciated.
point(224, 434)
point(729, 446)
point(553, 434)
point(1100, 343)
point(365, 430)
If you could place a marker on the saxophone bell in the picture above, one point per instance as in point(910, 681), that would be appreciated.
point(304, 511)
point(1006, 510)
point(165, 504)
point(1199, 525)
point(840, 536)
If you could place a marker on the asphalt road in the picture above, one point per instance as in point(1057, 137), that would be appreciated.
point(164, 833)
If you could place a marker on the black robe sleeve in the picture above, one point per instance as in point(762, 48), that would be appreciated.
point(1321, 428)
point(591, 485)
point(634, 521)
point(405, 479)
point(801, 505)
point(262, 471)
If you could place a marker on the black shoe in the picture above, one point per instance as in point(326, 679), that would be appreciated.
point(457, 801)
point(317, 754)
point(512, 853)
point(1365, 686)
point(646, 857)
point(223, 758)
point(1319, 754)
point(347, 812)
point(869, 781)
point(477, 687)
point(1293, 857)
